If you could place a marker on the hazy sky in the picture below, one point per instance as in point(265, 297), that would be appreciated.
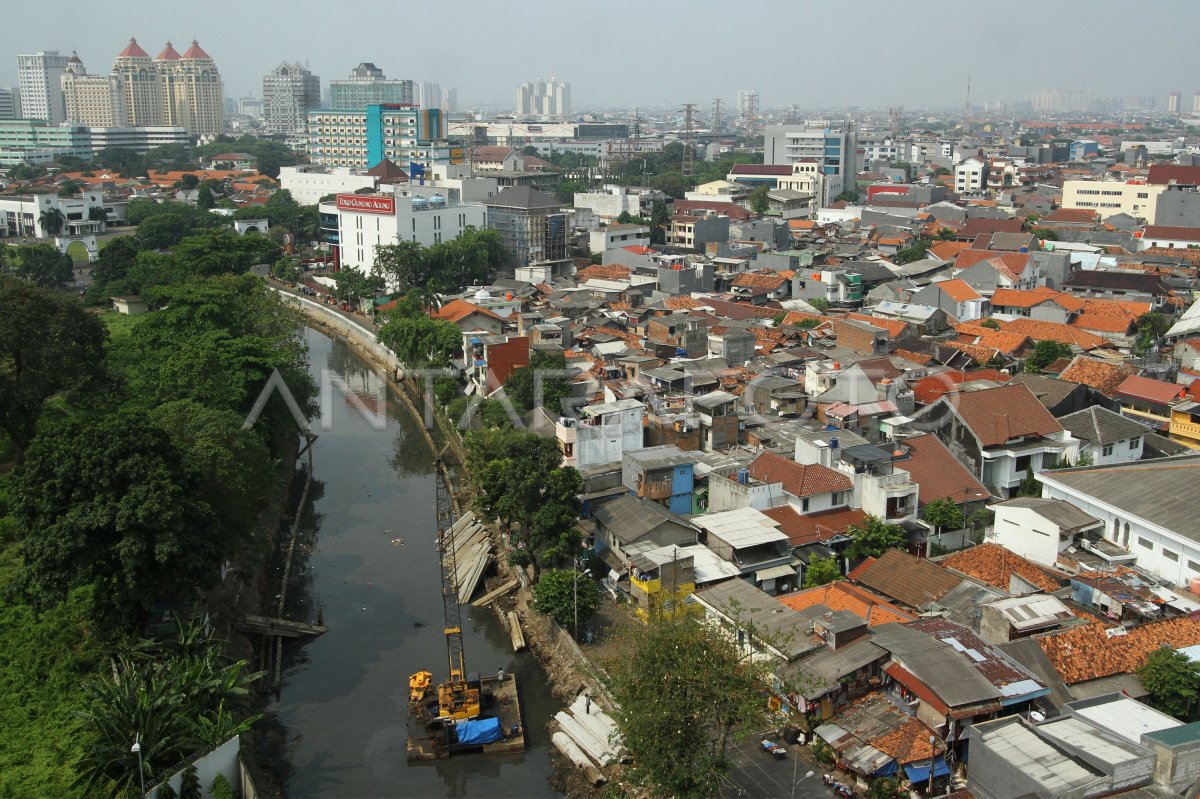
point(814, 54)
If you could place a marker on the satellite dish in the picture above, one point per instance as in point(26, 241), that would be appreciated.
point(1036, 717)
point(287, 238)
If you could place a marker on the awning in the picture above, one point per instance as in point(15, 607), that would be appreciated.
point(774, 573)
point(919, 772)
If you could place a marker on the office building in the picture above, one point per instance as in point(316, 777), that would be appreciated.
point(289, 92)
point(367, 85)
point(39, 77)
point(834, 150)
point(542, 98)
point(10, 103)
point(1110, 197)
point(22, 215)
point(354, 225)
point(449, 100)
point(1173, 100)
point(32, 141)
point(93, 100)
point(172, 89)
point(403, 134)
point(429, 95)
point(138, 139)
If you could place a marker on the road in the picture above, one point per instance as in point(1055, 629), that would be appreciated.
point(755, 774)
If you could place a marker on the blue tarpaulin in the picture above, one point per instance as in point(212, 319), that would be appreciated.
point(479, 731)
point(919, 772)
point(886, 770)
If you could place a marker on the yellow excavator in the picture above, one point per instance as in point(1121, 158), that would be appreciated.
point(459, 696)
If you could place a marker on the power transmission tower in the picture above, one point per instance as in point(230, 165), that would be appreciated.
point(716, 125)
point(689, 143)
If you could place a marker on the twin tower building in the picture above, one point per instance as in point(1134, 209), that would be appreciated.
point(177, 89)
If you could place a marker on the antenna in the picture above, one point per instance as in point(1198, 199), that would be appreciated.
point(689, 144)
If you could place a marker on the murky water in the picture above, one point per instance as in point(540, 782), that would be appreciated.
point(373, 574)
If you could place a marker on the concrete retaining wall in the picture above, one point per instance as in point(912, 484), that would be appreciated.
point(335, 322)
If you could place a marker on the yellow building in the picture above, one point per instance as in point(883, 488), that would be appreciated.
point(1185, 423)
point(660, 582)
point(92, 100)
point(1109, 197)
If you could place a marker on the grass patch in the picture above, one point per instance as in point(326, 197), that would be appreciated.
point(119, 325)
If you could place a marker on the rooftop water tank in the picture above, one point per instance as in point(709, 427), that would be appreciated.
point(437, 200)
point(743, 476)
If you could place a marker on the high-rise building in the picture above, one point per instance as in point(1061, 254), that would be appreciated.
point(39, 77)
point(191, 90)
point(1196, 103)
point(449, 100)
point(10, 102)
point(367, 85)
point(401, 133)
point(289, 92)
point(747, 106)
point(171, 89)
point(1173, 102)
point(429, 95)
point(833, 150)
point(544, 98)
point(92, 100)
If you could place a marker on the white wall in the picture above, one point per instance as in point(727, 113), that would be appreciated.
point(726, 493)
point(307, 188)
point(1121, 452)
point(607, 441)
point(361, 233)
point(222, 760)
point(1026, 533)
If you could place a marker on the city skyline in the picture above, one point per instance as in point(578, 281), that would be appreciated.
point(826, 71)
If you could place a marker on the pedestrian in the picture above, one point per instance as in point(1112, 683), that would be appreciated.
point(500, 675)
point(587, 705)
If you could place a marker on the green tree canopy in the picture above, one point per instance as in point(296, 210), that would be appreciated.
point(943, 515)
point(990, 324)
point(473, 257)
point(759, 202)
point(1173, 680)
point(44, 265)
point(48, 346)
point(563, 593)
point(821, 571)
point(874, 537)
point(521, 385)
point(1045, 353)
point(422, 342)
point(683, 689)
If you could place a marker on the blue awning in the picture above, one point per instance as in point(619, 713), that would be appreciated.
point(919, 772)
point(887, 769)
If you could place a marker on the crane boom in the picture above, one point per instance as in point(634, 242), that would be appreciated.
point(456, 699)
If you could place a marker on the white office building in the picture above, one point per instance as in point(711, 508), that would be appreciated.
point(24, 215)
point(10, 102)
point(289, 92)
point(40, 78)
point(834, 151)
point(355, 224)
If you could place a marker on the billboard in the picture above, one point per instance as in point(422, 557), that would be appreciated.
point(366, 204)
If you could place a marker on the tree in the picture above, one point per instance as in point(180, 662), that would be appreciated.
point(521, 384)
point(1151, 327)
point(563, 593)
point(1029, 486)
point(1045, 233)
point(884, 788)
point(913, 252)
point(45, 265)
point(874, 538)
point(68, 188)
point(990, 324)
point(49, 346)
point(520, 482)
point(108, 502)
point(821, 571)
point(420, 341)
point(401, 264)
point(189, 786)
point(205, 198)
point(189, 181)
point(683, 689)
point(820, 303)
point(221, 789)
point(52, 221)
point(1045, 353)
point(943, 515)
point(847, 196)
point(945, 234)
point(112, 266)
point(1173, 681)
point(353, 286)
point(759, 202)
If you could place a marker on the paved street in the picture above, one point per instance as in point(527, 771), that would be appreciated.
point(757, 774)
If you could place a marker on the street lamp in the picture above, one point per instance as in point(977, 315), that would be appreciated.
point(795, 782)
point(575, 592)
point(137, 750)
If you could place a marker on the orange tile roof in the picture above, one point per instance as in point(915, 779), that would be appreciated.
point(1145, 388)
point(1018, 298)
point(938, 473)
point(841, 595)
point(1087, 653)
point(915, 357)
point(801, 224)
point(1055, 331)
point(799, 480)
point(959, 290)
point(1103, 376)
point(682, 303)
point(1014, 262)
point(457, 310)
point(811, 528)
point(603, 272)
point(796, 317)
point(998, 415)
point(909, 743)
point(894, 327)
point(993, 564)
point(980, 355)
point(948, 250)
point(1102, 323)
point(770, 280)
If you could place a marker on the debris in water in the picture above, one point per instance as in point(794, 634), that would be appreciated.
point(397, 542)
point(418, 624)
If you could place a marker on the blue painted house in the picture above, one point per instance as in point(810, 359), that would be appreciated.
point(661, 474)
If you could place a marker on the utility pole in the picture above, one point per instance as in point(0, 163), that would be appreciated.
point(716, 125)
point(689, 143)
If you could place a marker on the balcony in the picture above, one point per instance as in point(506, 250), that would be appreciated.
point(654, 489)
point(1185, 431)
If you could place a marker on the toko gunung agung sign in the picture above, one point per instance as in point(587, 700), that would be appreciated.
point(367, 204)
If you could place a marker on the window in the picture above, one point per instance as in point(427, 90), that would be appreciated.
point(1145, 543)
point(1108, 450)
point(1133, 443)
point(1194, 566)
point(804, 504)
point(1169, 555)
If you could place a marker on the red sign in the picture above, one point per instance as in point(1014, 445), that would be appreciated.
point(366, 204)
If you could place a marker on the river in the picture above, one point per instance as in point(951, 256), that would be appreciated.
point(372, 570)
